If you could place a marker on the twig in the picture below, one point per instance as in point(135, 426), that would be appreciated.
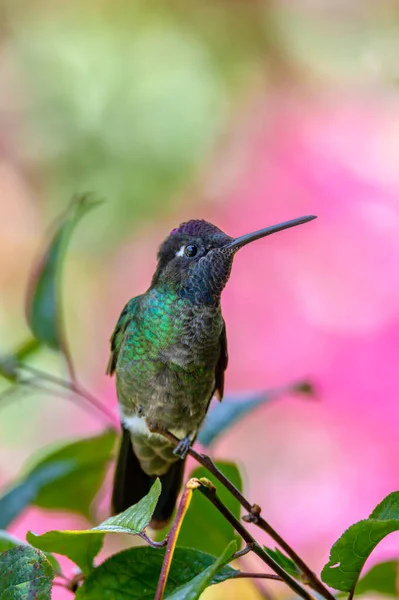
point(33, 384)
point(172, 536)
point(242, 552)
point(254, 517)
point(243, 574)
point(61, 584)
point(311, 578)
point(209, 491)
point(75, 581)
point(68, 360)
point(151, 542)
point(61, 575)
point(262, 591)
point(352, 592)
point(72, 386)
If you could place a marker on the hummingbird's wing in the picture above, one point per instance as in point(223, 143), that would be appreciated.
point(117, 337)
point(221, 365)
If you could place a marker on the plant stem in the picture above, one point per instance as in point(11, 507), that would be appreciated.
point(209, 491)
point(243, 574)
point(68, 359)
point(255, 518)
point(61, 584)
point(33, 385)
point(151, 542)
point(172, 537)
point(311, 578)
point(352, 592)
point(243, 552)
point(74, 387)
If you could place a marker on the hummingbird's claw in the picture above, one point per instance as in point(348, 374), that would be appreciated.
point(183, 447)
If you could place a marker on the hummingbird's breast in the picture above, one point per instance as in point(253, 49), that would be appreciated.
point(166, 367)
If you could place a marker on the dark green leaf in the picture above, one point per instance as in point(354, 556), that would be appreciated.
point(13, 502)
point(67, 479)
point(83, 546)
point(203, 526)
point(234, 407)
point(193, 589)
point(75, 491)
point(25, 573)
point(382, 578)
point(350, 552)
point(134, 574)
point(43, 304)
point(284, 561)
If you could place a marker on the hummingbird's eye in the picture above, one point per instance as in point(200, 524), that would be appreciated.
point(190, 250)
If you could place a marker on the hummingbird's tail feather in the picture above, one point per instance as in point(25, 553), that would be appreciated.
point(131, 484)
point(171, 485)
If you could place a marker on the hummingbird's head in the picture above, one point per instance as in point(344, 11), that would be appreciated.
point(196, 258)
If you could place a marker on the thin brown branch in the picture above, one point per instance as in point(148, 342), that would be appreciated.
point(38, 384)
point(352, 592)
point(311, 579)
point(151, 542)
point(74, 387)
point(172, 536)
point(209, 491)
point(61, 584)
point(254, 517)
point(243, 552)
point(243, 574)
point(76, 580)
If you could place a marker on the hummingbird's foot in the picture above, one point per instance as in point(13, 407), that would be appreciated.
point(183, 447)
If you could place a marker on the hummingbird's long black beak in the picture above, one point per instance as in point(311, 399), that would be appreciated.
point(256, 235)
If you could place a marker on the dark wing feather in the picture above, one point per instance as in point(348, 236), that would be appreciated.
point(117, 336)
point(221, 365)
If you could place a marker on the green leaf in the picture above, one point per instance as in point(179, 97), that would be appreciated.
point(194, 588)
point(382, 578)
point(13, 502)
point(8, 541)
point(83, 546)
point(25, 573)
point(350, 552)
point(43, 309)
point(52, 482)
point(137, 517)
point(76, 489)
point(203, 526)
point(80, 546)
point(137, 570)
point(9, 363)
point(284, 561)
point(235, 406)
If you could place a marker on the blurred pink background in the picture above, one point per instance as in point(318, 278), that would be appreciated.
point(310, 130)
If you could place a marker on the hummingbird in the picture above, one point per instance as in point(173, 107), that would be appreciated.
point(169, 355)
